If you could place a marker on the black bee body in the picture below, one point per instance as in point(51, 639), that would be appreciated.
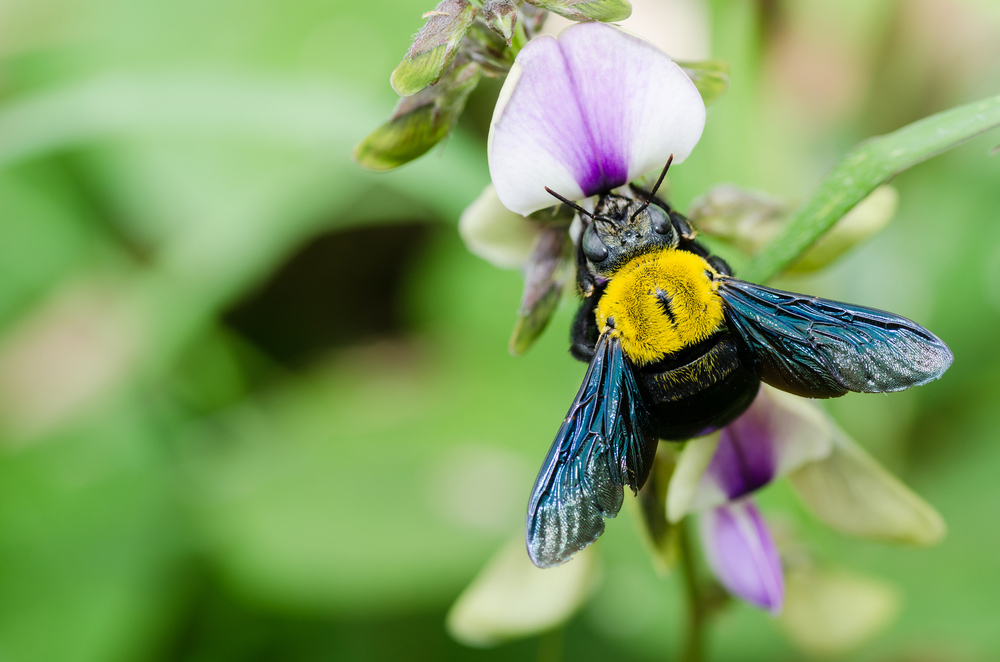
point(677, 347)
point(698, 389)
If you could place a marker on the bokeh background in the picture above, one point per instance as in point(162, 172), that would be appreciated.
point(256, 404)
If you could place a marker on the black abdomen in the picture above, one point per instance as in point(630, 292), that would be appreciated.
point(699, 390)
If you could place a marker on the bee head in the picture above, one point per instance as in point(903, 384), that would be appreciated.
point(623, 227)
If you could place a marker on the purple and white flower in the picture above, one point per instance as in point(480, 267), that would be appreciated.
point(586, 113)
point(716, 475)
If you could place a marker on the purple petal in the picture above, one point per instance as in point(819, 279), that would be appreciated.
point(743, 555)
point(778, 433)
point(745, 459)
point(586, 113)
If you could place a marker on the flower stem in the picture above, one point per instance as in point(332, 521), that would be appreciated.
point(694, 644)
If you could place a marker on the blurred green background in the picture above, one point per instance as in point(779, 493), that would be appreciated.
point(256, 403)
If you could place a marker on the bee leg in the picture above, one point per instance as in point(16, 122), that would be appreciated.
point(585, 280)
point(720, 265)
point(584, 333)
point(684, 228)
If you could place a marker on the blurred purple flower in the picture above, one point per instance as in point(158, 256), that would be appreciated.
point(777, 434)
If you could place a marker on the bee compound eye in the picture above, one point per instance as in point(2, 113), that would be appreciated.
point(661, 224)
point(593, 247)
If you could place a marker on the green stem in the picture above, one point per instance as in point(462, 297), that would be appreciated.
point(694, 644)
point(550, 646)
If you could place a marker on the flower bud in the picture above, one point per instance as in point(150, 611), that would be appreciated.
point(867, 219)
point(434, 47)
point(496, 234)
point(511, 598)
point(830, 612)
point(419, 122)
point(587, 10)
point(501, 16)
point(749, 220)
point(745, 218)
point(545, 276)
point(711, 77)
point(852, 493)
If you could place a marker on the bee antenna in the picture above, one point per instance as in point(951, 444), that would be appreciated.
point(569, 203)
point(653, 192)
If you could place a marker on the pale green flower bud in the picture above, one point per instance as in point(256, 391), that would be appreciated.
point(867, 219)
point(587, 10)
point(711, 77)
point(501, 16)
point(545, 276)
point(434, 47)
point(420, 121)
point(495, 233)
point(745, 218)
point(511, 598)
point(830, 611)
point(750, 219)
point(540, 245)
point(852, 493)
point(691, 465)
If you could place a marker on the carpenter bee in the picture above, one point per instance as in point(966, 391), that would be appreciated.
point(677, 347)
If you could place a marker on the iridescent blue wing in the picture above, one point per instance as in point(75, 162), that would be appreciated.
point(605, 443)
point(822, 349)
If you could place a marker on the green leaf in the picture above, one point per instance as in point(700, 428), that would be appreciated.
point(588, 10)
point(419, 123)
point(711, 77)
point(865, 167)
point(434, 47)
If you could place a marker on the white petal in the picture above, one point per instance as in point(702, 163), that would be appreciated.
point(495, 233)
point(854, 494)
point(830, 612)
point(512, 598)
point(691, 466)
point(586, 113)
point(743, 555)
point(777, 434)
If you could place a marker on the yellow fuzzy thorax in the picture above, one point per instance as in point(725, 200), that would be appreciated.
point(661, 302)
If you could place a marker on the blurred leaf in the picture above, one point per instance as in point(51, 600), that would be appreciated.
point(90, 544)
point(434, 47)
point(711, 77)
point(864, 168)
point(44, 234)
point(419, 122)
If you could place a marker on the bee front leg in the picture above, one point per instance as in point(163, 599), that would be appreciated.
point(584, 333)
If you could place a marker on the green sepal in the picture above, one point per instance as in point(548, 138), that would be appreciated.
point(545, 278)
point(434, 47)
point(419, 122)
point(711, 77)
point(588, 10)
